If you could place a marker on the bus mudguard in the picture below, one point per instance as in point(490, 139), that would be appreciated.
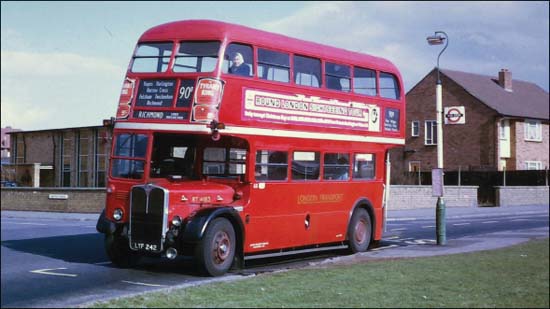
point(104, 225)
point(367, 205)
point(194, 228)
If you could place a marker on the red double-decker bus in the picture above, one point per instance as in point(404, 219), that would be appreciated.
point(232, 143)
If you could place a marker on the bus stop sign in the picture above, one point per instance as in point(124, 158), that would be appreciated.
point(455, 115)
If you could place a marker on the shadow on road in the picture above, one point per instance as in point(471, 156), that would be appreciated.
point(83, 248)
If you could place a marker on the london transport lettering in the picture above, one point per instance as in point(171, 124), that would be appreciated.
point(301, 109)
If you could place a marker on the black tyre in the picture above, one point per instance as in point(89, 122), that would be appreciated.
point(119, 252)
point(216, 251)
point(359, 231)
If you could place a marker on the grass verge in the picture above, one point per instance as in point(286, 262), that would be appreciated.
point(513, 277)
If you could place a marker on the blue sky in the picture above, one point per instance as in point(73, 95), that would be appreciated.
point(63, 62)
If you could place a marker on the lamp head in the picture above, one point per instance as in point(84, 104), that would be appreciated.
point(435, 39)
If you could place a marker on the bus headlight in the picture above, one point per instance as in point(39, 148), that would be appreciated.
point(176, 221)
point(117, 214)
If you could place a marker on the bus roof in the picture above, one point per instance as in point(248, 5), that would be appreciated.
point(209, 29)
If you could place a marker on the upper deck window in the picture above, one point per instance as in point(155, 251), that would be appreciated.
point(197, 56)
point(307, 71)
point(364, 81)
point(389, 87)
point(238, 60)
point(152, 57)
point(337, 77)
point(273, 65)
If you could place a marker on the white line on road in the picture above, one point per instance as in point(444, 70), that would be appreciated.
point(382, 248)
point(515, 220)
point(48, 271)
point(399, 229)
point(401, 219)
point(458, 224)
point(25, 223)
point(145, 284)
point(488, 222)
point(428, 226)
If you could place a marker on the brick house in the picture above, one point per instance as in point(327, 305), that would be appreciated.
point(506, 124)
point(68, 157)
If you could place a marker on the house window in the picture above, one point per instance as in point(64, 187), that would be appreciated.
point(430, 132)
point(415, 128)
point(19, 150)
point(414, 166)
point(533, 165)
point(67, 152)
point(533, 130)
point(85, 146)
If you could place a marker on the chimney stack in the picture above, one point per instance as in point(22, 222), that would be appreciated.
point(505, 79)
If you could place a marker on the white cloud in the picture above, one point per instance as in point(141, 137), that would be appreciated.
point(25, 64)
point(55, 90)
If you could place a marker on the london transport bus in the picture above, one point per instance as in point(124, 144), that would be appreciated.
point(232, 143)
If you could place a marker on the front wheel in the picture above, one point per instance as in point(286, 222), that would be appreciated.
point(359, 231)
point(216, 250)
point(119, 252)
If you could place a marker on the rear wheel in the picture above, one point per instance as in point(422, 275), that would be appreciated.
point(359, 231)
point(119, 252)
point(216, 251)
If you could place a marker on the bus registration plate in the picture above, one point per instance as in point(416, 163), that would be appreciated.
point(145, 246)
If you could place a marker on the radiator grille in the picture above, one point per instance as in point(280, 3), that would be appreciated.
point(148, 218)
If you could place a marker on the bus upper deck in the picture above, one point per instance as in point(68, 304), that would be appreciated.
point(183, 73)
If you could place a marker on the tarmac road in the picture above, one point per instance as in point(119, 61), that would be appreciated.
point(57, 259)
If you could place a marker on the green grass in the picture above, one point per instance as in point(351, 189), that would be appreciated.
point(513, 277)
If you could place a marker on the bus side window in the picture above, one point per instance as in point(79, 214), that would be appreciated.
point(307, 71)
point(336, 166)
point(337, 77)
point(306, 165)
point(271, 165)
point(364, 166)
point(389, 87)
point(231, 52)
point(273, 65)
point(364, 81)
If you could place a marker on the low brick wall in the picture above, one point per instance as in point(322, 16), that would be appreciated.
point(93, 200)
point(84, 200)
point(517, 196)
point(412, 197)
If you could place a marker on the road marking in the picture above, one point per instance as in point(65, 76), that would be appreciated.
point(458, 224)
point(401, 219)
point(428, 226)
point(487, 222)
point(519, 220)
point(25, 223)
point(48, 271)
point(145, 284)
point(399, 229)
point(394, 237)
point(382, 248)
point(102, 263)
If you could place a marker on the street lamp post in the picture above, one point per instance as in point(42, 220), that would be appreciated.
point(439, 38)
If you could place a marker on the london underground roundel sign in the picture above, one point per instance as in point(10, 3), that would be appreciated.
point(455, 115)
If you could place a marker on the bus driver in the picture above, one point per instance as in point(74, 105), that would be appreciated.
point(239, 67)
